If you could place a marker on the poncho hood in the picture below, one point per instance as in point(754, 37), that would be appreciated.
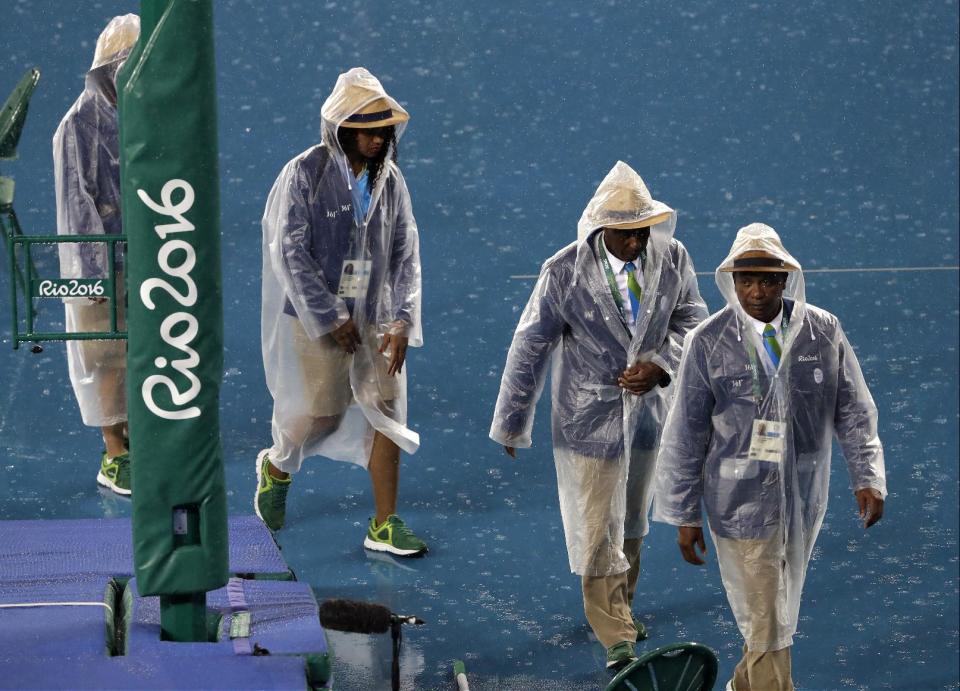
point(622, 200)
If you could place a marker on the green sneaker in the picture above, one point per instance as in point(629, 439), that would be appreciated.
point(270, 502)
point(115, 473)
point(641, 629)
point(620, 655)
point(395, 537)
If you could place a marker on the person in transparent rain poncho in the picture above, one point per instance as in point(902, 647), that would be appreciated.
point(86, 166)
point(610, 312)
point(764, 386)
point(341, 304)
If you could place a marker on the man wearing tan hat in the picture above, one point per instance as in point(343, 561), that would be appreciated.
point(341, 305)
point(767, 383)
point(86, 167)
point(610, 312)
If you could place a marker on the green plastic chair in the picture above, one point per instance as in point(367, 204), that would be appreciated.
point(676, 667)
point(12, 117)
point(14, 113)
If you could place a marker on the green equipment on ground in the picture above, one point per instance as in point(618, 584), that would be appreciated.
point(460, 675)
point(12, 117)
point(676, 667)
point(171, 216)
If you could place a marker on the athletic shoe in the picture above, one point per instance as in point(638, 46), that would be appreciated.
point(270, 502)
point(620, 655)
point(115, 473)
point(641, 629)
point(393, 536)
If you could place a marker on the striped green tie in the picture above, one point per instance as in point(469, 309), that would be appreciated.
point(634, 289)
point(771, 344)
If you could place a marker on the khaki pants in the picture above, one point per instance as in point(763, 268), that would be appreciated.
point(757, 565)
point(326, 372)
point(607, 600)
point(769, 671)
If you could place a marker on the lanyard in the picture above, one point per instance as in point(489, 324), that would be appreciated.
point(755, 365)
point(612, 279)
point(755, 376)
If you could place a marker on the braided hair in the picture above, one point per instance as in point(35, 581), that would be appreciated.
point(347, 136)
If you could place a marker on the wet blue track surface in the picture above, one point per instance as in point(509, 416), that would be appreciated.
point(834, 123)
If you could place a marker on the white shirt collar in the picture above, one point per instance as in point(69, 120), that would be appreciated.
point(759, 326)
point(616, 264)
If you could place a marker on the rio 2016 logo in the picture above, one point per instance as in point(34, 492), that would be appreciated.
point(71, 288)
point(179, 328)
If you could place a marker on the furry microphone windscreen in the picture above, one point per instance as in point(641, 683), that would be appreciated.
point(351, 616)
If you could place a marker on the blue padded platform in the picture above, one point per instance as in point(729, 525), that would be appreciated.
point(54, 629)
point(284, 619)
point(53, 549)
point(155, 672)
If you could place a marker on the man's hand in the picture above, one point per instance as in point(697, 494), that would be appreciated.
point(689, 538)
point(398, 351)
point(640, 377)
point(347, 336)
point(511, 452)
point(871, 506)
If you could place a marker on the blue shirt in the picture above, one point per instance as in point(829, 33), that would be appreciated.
point(361, 196)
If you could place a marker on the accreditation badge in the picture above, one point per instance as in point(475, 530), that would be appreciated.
point(766, 442)
point(354, 277)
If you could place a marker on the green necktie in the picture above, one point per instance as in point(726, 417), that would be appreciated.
point(633, 289)
point(771, 344)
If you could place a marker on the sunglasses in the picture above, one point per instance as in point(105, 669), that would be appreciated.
point(627, 233)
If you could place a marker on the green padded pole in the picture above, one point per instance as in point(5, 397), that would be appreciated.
point(171, 216)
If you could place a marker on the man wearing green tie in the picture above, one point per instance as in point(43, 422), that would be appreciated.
point(765, 384)
point(610, 312)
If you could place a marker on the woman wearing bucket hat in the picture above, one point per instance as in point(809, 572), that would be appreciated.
point(86, 168)
point(341, 304)
point(609, 311)
point(766, 383)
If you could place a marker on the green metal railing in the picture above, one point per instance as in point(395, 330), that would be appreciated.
point(32, 286)
point(10, 225)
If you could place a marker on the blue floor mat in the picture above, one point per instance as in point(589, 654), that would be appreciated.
point(156, 672)
point(63, 616)
point(46, 549)
point(283, 619)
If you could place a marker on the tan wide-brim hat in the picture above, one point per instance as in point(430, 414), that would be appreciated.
point(631, 202)
point(641, 223)
point(376, 113)
point(758, 261)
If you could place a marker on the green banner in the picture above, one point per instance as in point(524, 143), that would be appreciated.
point(170, 188)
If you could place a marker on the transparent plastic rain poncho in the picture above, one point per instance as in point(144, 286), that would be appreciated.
point(604, 439)
point(86, 166)
point(309, 231)
point(764, 516)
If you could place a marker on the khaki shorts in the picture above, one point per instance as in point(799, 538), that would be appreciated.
point(326, 372)
point(95, 316)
